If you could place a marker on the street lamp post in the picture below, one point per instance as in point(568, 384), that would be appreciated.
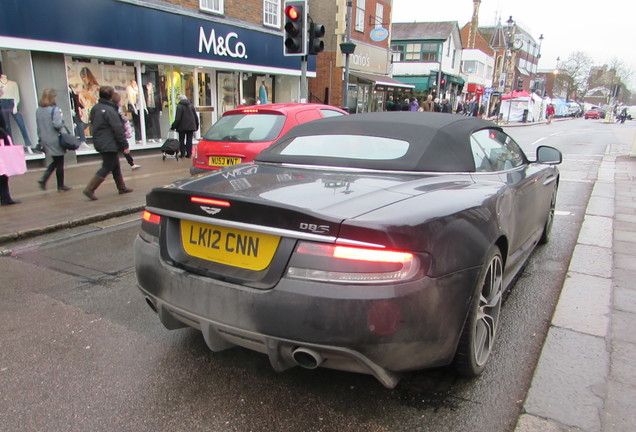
point(348, 51)
point(510, 61)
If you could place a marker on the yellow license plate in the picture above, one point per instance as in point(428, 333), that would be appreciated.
point(223, 161)
point(234, 247)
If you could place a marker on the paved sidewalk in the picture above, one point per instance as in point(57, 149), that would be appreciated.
point(47, 211)
point(586, 376)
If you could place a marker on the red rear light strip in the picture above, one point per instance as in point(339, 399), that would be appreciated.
point(355, 253)
point(151, 217)
point(210, 201)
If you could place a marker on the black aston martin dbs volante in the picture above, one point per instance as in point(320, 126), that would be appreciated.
point(376, 243)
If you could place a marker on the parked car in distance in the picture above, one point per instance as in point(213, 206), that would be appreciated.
point(376, 243)
point(242, 133)
point(594, 113)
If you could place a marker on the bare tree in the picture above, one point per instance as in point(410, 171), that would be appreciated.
point(574, 75)
point(624, 73)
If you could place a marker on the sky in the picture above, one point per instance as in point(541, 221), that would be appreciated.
point(602, 30)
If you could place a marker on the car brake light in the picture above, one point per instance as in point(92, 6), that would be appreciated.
point(355, 253)
point(250, 111)
point(345, 264)
point(210, 201)
point(151, 217)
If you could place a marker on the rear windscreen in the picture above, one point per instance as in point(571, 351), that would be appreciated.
point(246, 128)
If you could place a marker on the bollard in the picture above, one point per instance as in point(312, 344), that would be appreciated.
point(633, 152)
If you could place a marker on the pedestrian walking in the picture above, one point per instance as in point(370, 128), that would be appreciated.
point(50, 122)
point(414, 105)
point(5, 194)
point(428, 105)
point(460, 108)
point(185, 123)
point(109, 138)
point(446, 107)
point(549, 113)
point(127, 131)
point(390, 103)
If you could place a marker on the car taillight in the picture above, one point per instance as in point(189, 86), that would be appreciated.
point(150, 226)
point(151, 217)
point(346, 264)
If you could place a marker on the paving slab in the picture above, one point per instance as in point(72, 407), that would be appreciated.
point(569, 381)
point(620, 415)
point(597, 231)
point(592, 260)
point(584, 305)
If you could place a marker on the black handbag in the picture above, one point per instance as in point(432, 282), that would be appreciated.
point(68, 141)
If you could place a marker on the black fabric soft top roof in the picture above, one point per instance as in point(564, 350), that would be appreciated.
point(438, 142)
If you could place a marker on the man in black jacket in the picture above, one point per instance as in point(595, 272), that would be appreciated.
point(185, 122)
point(109, 138)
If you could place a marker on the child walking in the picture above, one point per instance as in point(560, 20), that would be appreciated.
point(128, 131)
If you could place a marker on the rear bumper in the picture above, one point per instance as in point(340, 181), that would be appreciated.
point(381, 330)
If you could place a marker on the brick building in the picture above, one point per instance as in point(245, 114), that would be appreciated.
point(370, 82)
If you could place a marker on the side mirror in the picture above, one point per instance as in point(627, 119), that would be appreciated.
point(548, 155)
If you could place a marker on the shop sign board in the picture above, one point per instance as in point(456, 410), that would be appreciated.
point(134, 28)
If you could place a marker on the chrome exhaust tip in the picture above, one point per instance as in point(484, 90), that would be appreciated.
point(307, 358)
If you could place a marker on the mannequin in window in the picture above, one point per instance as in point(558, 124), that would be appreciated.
point(77, 108)
point(262, 93)
point(9, 102)
point(132, 91)
point(153, 107)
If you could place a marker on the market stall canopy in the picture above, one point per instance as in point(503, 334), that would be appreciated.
point(515, 95)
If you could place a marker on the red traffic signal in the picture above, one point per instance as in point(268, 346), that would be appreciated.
point(291, 12)
point(295, 35)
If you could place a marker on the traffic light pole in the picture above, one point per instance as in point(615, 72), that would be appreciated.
point(345, 90)
point(304, 92)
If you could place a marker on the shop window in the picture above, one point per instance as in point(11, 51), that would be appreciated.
point(397, 53)
point(214, 6)
point(360, 12)
point(415, 52)
point(271, 13)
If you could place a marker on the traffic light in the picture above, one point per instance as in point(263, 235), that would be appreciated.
point(295, 37)
point(519, 84)
point(316, 32)
point(442, 83)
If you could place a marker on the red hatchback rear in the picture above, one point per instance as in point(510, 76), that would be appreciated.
point(242, 133)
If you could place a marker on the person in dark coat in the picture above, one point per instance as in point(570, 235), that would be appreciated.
point(109, 138)
point(446, 107)
point(186, 122)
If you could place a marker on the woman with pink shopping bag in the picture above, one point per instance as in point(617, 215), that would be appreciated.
point(12, 162)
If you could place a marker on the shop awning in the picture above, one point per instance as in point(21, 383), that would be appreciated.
point(420, 83)
point(455, 79)
point(383, 81)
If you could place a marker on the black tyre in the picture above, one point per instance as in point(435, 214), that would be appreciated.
point(547, 228)
point(478, 337)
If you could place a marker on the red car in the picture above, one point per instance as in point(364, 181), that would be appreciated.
point(594, 113)
point(242, 133)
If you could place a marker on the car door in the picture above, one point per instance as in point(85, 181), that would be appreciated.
point(525, 197)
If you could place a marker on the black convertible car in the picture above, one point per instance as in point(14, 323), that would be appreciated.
point(374, 243)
